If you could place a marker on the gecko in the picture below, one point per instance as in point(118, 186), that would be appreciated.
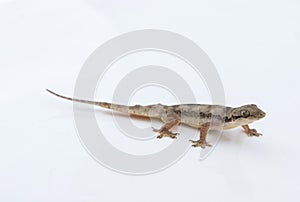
point(198, 116)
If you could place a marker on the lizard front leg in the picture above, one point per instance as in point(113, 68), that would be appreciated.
point(251, 132)
point(203, 133)
point(171, 121)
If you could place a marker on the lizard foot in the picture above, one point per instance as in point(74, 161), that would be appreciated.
point(200, 143)
point(165, 133)
point(253, 132)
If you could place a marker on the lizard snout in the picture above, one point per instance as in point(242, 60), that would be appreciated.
point(261, 114)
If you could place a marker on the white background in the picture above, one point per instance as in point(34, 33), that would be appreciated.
point(255, 46)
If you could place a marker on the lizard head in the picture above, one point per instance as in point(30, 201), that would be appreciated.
point(245, 114)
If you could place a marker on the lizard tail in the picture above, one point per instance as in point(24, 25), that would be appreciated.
point(116, 107)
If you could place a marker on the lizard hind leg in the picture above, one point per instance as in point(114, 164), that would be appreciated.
point(171, 121)
point(202, 140)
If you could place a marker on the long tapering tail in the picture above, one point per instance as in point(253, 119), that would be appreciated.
point(120, 108)
point(154, 111)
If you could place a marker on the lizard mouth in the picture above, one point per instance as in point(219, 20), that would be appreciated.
point(233, 118)
point(261, 114)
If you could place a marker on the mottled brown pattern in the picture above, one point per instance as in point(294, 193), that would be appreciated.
point(194, 115)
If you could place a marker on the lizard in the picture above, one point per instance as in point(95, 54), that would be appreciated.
point(198, 116)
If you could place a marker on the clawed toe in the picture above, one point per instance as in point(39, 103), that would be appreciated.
point(254, 132)
point(257, 134)
point(200, 143)
point(159, 136)
point(170, 135)
point(165, 133)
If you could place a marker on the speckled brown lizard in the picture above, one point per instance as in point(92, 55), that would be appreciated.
point(201, 116)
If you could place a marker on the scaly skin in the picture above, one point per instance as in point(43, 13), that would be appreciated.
point(201, 116)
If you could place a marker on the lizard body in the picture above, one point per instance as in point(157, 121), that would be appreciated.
point(198, 116)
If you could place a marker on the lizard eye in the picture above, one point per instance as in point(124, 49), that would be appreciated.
point(245, 113)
